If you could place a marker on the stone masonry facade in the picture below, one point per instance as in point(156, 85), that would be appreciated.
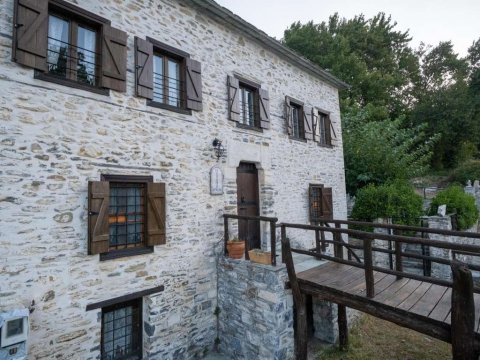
point(55, 138)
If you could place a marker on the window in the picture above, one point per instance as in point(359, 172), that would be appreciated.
point(322, 126)
point(167, 77)
point(321, 204)
point(69, 45)
point(122, 331)
point(120, 207)
point(72, 50)
point(248, 104)
point(298, 119)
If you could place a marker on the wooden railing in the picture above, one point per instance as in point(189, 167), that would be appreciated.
point(368, 249)
point(273, 242)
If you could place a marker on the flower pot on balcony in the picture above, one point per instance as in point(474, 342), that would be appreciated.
point(236, 248)
point(260, 257)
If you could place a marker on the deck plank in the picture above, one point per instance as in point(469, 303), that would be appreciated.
point(415, 296)
point(442, 309)
point(427, 303)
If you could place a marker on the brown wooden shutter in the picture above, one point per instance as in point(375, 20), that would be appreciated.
point(233, 99)
point(194, 84)
point(288, 116)
point(307, 122)
point(144, 68)
point(328, 128)
point(114, 59)
point(155, 214)
point(315, 125)
point(327, 203)
point(30, 32)
point(98, 228)
point(264, 102)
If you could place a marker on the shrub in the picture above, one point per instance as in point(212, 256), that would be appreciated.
point(396, 200)
point(458, 202)
point(469, 170)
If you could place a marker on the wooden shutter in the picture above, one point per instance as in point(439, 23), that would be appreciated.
point(264, 102)
point(307, 122)
point(288, 116)
point(328, 133)
point(114, 59)
point(144, 68)
point(155, 214)
point(233, 99)
point(327, 203)
point(194, 84)
point(30, 32)
point(98, 228)
point(315, 125)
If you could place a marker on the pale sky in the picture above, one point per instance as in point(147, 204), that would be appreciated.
point(430, 21)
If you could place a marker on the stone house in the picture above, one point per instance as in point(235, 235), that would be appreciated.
point(110, 223)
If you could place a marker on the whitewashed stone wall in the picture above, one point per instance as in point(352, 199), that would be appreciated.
point(54, 139)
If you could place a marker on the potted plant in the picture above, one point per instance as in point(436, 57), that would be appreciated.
point(236, 248)
point(261, 257)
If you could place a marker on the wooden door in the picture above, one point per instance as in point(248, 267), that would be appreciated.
point(248, 204)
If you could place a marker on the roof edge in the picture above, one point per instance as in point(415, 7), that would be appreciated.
point(245, 27)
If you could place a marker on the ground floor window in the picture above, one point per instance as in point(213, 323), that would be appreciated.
point(122, 331)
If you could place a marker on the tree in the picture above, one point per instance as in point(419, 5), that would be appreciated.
point(380, 151)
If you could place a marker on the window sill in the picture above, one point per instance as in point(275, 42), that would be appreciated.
point(70, 83)
point(169, 107)
point(126, 253)
point(248, 127)
point(298, 139)
point(326, 146)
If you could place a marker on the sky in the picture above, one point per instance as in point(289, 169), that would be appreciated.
point(430, 21)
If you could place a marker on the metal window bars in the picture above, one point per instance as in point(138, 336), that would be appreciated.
point(169, 90)
point(67, 61)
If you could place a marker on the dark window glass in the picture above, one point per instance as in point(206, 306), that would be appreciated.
point(315, 203)
point(126, 215)
point(297, 127)
point(121, 332)
point(167, 82)
point(71, 56)
point(322, 120)
point(247, 106)
point(14, 327)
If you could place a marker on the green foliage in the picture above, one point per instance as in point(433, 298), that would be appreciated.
point(380, 151)
point(396, 200)
point(469, 170)
point(459, 203)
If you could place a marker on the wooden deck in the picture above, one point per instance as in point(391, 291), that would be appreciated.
point(412, 299)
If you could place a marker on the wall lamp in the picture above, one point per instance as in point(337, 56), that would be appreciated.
point(219, 149)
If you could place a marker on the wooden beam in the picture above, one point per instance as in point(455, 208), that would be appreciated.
point(463, 313)
point(342, 327)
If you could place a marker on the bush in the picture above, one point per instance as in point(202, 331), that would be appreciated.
point(459, 203)
point(396, 200)
point(469, 170)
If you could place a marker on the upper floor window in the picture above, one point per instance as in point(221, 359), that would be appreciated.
point(72, 50)
point(298, 118)
point(126, 215)
point(248, 104)
point(167, 77)
point(69, 45)
point(322, 127)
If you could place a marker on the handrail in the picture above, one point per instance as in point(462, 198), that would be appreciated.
point(273, 241)
point(345, 244)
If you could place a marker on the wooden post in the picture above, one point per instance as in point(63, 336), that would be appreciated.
point(324, 244)
point(247, 242)
point(317, 241)
point(368, 263)
point(463, 313)
point(284, 236)
point(398, 258)
point(342, 327)
point(301, 333)
point(338, 249)
point(273, 242)
point(225, 234)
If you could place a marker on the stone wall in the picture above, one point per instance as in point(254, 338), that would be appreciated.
point(255, 311)
point(54, 139)
point(474, 190)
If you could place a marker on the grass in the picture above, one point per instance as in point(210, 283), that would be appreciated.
point(375, 339)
